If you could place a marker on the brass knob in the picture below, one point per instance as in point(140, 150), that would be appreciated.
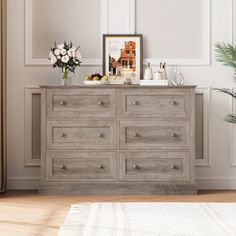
point(135, 103)
point(100, 135)
point(62, 135)
point(173, 167)
point(62, 103)
point(99, 166)
point(136, 135)
point(173, 134)
point(135, 167)
point(173, 102)
point(62, 167)
point(100, 103)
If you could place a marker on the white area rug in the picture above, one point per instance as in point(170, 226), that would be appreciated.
point(150, 219)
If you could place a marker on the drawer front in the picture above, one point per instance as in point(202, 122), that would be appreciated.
point(151, 134)
point(93, 134)
point(80, 166)
point(81, 103)
point(154, 166)
point(153, 103)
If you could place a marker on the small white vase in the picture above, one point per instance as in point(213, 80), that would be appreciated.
point(148, 75)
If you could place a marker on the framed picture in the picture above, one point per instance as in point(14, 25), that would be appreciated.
point(123, 57)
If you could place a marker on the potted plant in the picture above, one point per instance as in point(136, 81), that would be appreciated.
point(226, 53)
point(67, 57)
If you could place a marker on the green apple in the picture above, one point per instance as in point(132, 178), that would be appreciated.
point(105, 78)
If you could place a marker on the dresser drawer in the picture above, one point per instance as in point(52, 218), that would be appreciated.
point(81, 103)
point(154, 134)
point(154, 166)
point(80, 166)
point(153, 103)
point(90, 134)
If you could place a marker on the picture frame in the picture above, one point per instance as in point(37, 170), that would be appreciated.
point(123, 57)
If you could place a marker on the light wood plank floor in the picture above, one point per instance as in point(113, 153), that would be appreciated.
point(26, 213)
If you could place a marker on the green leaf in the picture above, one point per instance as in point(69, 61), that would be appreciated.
point(227, 91)
point(226, 54)
point(231, 118)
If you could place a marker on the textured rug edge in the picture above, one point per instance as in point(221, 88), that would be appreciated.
point(79, 214)
point(73, 226)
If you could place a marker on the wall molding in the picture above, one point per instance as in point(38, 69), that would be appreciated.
point(232, 133)
point(205, 60)
point(33, 61)
point(132, 16)
point(206, 38)
point(232, 24)
point(29, 160)
point(205, 160)
point(104, 26)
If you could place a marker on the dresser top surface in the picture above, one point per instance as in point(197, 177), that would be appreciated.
point(120, 86)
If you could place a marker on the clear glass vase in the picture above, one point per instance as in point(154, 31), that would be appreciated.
point(65, 80)
point(174, 79)
point(177, 77)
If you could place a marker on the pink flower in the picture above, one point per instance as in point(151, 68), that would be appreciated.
point(71, 52)
point(65, 58)
point(57, 52)
point(60, 46)
point(53, 59)
point(63, 52)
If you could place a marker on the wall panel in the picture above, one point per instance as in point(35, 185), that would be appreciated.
point(176, 31)
point(203, 107)
point(32, 147)
point(75, 20)
point(79, 21)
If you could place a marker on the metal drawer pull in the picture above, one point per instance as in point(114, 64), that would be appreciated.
point(173, 167)
point(62, 167)
point(99, 166)
point(135, 167)
point(100, 103)
point(62, 135)
point(135, 103)
point(136, 135)
point(62, 103)
point(173, 134)
point(173, 102)
point(100, 135)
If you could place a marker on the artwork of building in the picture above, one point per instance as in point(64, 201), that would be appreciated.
point(114, 66)
point(128, 56)
point(127, 60)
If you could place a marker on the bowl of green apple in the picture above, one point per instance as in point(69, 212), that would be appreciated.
point(96, 79)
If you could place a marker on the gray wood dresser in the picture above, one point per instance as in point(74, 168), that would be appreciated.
point(118, 139)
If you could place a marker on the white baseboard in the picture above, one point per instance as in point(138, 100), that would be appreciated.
point(223, 183)
point(23, 183)
point(32, 183)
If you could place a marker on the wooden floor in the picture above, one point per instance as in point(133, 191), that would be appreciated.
point(26, 213)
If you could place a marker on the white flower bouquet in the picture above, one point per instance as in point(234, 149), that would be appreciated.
point(65, 56)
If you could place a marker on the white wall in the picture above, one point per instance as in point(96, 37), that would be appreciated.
point(194, 27)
